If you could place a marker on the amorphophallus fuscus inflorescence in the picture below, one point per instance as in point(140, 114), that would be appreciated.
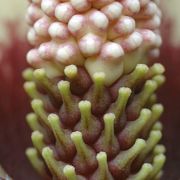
point(93, 87)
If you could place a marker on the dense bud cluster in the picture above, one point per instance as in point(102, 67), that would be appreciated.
point(93, 33)
point(95, 112)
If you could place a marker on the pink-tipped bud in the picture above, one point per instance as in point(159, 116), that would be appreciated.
point(33, 58)
point(150, 9)
point(90, 45)
point(113, 10)
point(47, 50)
point(124, 26)
point(75, 24)
point(33, 38)
point(41, 26)
point(131, 42)
point(33, 13)
point(58, 30)
point(152, 23)
point(131, 6)
point(64, 11)
point(150, 39)
point(99, 20)
point(81, 5)
point(111, 51)
point(68, 53)
point(48, 6)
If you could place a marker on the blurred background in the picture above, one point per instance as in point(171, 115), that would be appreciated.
point(15, 135)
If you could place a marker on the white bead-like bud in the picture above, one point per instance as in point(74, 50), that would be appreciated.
point(90, 45)
point(41, 26)
point(34, 13)
point(99, 19)
point(149, 38)
point(133, 6)
point(106, 33)
point(111, 51)
point(58, 30)
point(151, 8)
point(76, 23)
point(64, 11)
point(123, 27)
point(132, 42)
point(47, 50)
point(33, 57)
point(81, 5)
point(68, 53)
point(33, 38)
point(48, 6)
point(113, 11)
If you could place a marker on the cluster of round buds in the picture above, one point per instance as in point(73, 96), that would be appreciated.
point(94, 33)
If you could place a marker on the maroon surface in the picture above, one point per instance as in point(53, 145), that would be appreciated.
point(14, 134)
point(170, 97)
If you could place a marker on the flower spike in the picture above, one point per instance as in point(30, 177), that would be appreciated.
point(38, 107)
point(28, 74)
point(84, 161)
point(119, 106)
point(103, 171)
point(119, 166)
point(152, 100)
point(130, 80)
point(157, 110)
point(151, 142)
point(108, 141)
point(89, 124)
point(70, 174)
point(79, 79)
point(63, 142)
point(139, 100)
point(31, 90)
point(56, 167)
point(41, 77)
point(158, 162)
point(35, 125)
point(160, 79)
point(159, 149)
point(99, 95)
point(155, 69)
point(93, 87)
point(37, 162)
point(38, 140)
point(143, 173)
point(71, 71)
point(69, 112)
point(129, 134)
point(157, 126)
